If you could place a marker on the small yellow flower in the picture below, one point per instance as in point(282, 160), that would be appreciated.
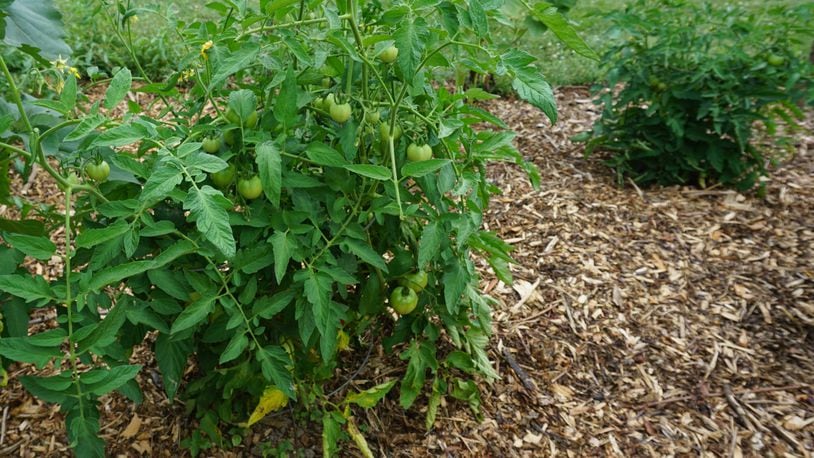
point(60, 85)
point(205, 48)
point(73, 71)
point(60, 63)
point(132, 19)
point(187, 74)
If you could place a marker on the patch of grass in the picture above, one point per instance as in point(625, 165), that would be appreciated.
point(591, 18)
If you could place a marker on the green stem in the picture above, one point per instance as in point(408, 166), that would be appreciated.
point(36, 153)
point(69, 297)
point(14, 149)
point(391, 145)
point(15, 95)
point(59, 126)
point(360, 44)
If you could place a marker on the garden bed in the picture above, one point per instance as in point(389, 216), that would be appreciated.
point(641, 322)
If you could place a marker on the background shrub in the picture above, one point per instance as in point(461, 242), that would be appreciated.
point(683, 93)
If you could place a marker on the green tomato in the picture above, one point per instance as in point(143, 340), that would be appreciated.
point(330, 100)
point(98, 172)
point(223, 178)
point(775, 61)
point(403, 300)
point(372, 116)
point(389, 55)
point(417, 153)
point(232, 116)
point(251, 120)
point(250, 188)
point(416, 281)
point(327, 82)
point(230, 137)
point(319, 103)
point(384, 131)
point(340, 112)
point(211, 144)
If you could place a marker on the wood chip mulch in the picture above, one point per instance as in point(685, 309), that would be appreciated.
point(654, 322)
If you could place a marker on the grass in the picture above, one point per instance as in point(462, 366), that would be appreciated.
point(591, 18)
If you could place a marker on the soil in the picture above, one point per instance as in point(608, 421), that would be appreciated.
point(642, 322)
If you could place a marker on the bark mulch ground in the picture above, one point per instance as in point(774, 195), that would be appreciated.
point(649, 322)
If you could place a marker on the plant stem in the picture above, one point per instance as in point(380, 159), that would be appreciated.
point(15, 95)
point(69, 297)
point(390, 142)
point(19, 151)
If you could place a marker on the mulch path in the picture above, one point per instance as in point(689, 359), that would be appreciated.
point(649, 322)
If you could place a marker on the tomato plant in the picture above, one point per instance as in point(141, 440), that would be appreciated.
point(690, 101)
point(259, 290)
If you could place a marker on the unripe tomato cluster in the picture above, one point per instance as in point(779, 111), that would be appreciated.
point(404, 298)
point(249, 185)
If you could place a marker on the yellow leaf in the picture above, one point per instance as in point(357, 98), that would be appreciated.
point(271, 400)
point(342, 340)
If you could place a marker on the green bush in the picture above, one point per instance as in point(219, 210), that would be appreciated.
point(684, 93)
point(315, 188)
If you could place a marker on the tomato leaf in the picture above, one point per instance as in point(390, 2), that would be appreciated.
point(35, 27)
point(236, 345)
point(370, 397)
point(421, 168)
point(194, 314)
point(376, 172)
point(411, 39)
point(101, 381)
point(88, 124)
point(207, 207)
point(285, 107)
point(26, 287)
point(89, 238)
point(365, 253)
point(235, 61)
point(429, 244)
point(554, 20)
point(41, 248)
point(282, 254)
point(266, 307)
point(530, 84)
point(118, 88)
point(171, 356)
point(269, 163)
point(322, 154)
